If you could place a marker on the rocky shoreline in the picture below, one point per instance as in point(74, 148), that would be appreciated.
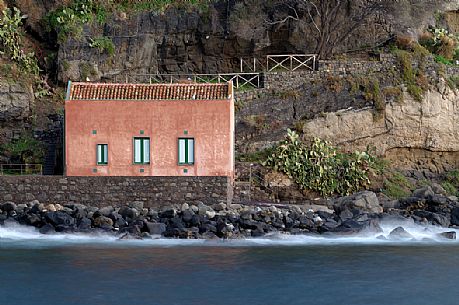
point(361, 212)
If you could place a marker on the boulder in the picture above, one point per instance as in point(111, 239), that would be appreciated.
point(128, 212)
point(103, 222)
point(210, 214)
point(47, 229)
point(106, 211)
point(50, 207)
point(350, 227)
point(185, 207)
point(434, 218)
point(364, 202)
point(448, 235)
point(438, 189)
point(59, 218)
point(167, 212)
point(399, 233)
point(455, 216)
point(84, 225)
point(187, 215)
point(138, 205)
point(346, 214)
point(219, 207)
point(423, 192)
point(8, 206)
point(203, 209)
point(34, 220)
point(155, 228)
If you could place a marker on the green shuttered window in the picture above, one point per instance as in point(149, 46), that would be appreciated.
point(102, 154)
point(141, 150)
point(186, 151)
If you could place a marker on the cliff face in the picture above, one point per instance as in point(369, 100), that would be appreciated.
point(180, 41)
point(409, 133)
point(16, 100)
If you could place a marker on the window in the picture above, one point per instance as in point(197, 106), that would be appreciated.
point(141, 150)
point(186, 151)
point(102, 154)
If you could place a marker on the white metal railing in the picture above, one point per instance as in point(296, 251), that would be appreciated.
point(20, 169)
point(250, 65)
point(291, 62)
point(240, 80)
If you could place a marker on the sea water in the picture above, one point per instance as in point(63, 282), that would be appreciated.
point(278, 269)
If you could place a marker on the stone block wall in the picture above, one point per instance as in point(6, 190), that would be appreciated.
point(341, 68)
point(115, 191)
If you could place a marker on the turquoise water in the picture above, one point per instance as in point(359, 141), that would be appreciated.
point(74, 270)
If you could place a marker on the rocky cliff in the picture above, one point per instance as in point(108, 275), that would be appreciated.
point(181, 41)
point(414, 135)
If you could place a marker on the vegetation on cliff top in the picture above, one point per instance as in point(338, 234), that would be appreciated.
point(11, 41)
point(68, 21)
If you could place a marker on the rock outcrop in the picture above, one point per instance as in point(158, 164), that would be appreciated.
point(405, 128)
point(15, 101)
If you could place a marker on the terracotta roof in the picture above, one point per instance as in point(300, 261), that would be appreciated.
point(189, 91)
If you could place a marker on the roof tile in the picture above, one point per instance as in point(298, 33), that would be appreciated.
point(189, 91)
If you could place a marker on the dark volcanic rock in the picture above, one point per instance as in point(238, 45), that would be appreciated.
point(84, 225)
point(47, 229)
point(8, 206)
point(103, 222)
point(155, 228)
point(455, 216)
point(400, 233)
point(60, 218)
point(448, 235)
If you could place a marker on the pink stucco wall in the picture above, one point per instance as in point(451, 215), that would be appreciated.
point(210, 123)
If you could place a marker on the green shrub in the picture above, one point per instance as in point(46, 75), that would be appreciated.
point(415, 80)
point(26, 149)
point(416, 92)
point(453, 82)
point(449, 188)
point(453, 177)
point(320, 167)
point(397, 186)
point(68, 20)
point(104, 44)
point(440, 59)
point(11, 42)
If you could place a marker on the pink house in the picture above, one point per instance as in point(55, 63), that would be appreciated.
point(149, 129)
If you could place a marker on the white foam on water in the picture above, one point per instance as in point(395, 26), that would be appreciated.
point(15, 235)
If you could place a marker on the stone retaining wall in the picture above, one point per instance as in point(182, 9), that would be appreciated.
point(115, 191)
point(286, 80)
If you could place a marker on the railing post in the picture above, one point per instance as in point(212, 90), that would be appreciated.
point(242, 69)
point(254, 65)
point(291, 62)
